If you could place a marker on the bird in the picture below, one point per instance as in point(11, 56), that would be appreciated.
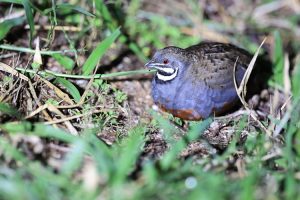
point(197, 82)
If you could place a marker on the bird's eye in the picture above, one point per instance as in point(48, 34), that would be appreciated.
point(166, 61)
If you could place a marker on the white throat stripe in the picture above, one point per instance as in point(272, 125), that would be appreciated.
point(167, 78)
point(166, 69)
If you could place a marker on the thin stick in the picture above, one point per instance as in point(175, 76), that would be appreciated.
point(28, 50)
point(241, 89)
point(96, 76)
point(73, 117)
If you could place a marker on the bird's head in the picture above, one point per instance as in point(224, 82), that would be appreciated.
point(169, 62)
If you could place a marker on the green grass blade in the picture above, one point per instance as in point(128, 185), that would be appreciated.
point(65, 7)
point(8, 24)
point(98, 52)
point(104, 12)
point(196, 129)
point(48, 131)
point(65, 61)
point(16, 127)
point(32, 51)
point(10, 150)
point(136, 49)
point(74, 158)
point(5, 108)
point(29, 16)
point(296, 79)
point(11, 1)
point(70, 87)
point(101, 153)
point(278, 59)
point(38, 129)
point(130, 150)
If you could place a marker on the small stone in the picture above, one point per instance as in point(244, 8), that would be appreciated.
point(264, 95)
point(254, 102)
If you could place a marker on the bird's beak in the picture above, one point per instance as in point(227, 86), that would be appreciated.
point(151, 64)
point(160, 67)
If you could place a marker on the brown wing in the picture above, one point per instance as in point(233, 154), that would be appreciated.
point(215, 63)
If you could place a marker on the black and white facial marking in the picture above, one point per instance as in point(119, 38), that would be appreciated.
point(167, 76)
point(164, 71)
point(169, 62)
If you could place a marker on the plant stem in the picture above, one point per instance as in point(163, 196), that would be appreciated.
point(96, 76)
point(29, 50)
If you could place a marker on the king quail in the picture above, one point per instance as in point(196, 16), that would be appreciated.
point(197, 82)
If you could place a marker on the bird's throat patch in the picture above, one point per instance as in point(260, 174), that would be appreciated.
point(166, 74)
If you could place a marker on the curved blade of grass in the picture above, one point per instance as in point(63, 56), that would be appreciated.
point(38, 129)
point(28, 50)
point(70, 87)
point(278, 59)
point(16, 127)
point(12, 1)
point(242, 88)
point(8, 149)
point(296, 79)
point(136, 49)
point(129, 153)
point(74, 158)
point(101, 153)
point(197, 129)
point(65, 8)
point(48, 131)
point(65, 61)
point(105, 14)
point(8, 24)
point(29, 16)
point(98, 52)
point(73, 7)
point(5, 108)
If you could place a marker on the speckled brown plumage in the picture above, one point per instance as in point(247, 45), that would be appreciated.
point(217, 61)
